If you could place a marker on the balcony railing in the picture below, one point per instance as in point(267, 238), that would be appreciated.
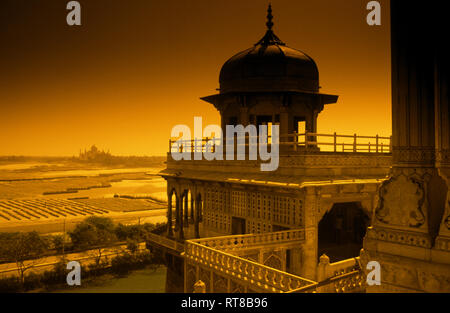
point(264, 278)
point(340, 277)
point(166, 242)
point(291, 142)
point(348, 282)
point(236, 242)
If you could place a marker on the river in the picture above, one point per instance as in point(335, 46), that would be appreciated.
point(140, 281)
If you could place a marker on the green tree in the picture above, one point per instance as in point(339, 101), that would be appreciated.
point(132, 245)
point(94, 232)
point(58, 243)
point(124, 232)
point(24, 249)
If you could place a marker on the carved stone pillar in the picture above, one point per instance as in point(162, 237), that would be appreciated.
point(284, 121)
point(192, 208)
point(186, 209)
point(180, 217)
point(412, 200)
point(284, 129)
point(309, 248)
point(442, 107)
point(243, 111)
point(200, 208)
point(197, 218)
point(169, 214)
point(177, 211)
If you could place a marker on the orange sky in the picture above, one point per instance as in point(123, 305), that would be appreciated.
point(134, 69)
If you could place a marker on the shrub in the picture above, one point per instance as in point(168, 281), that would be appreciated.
point(10, 284)
point(96, 269)
point(122, 264)
point(58, 243)
point(93, 231)
point(132, 245)
point(145, 257)
point(57, 275)
point(32, 281)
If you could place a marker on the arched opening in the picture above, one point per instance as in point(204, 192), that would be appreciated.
point(171, 215)
point(341, 231)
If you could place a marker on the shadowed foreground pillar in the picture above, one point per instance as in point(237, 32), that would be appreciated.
point(412, 201)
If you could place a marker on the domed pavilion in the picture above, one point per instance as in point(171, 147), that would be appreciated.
point(270, 83)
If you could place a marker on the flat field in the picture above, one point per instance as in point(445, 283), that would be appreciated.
point(42, 195)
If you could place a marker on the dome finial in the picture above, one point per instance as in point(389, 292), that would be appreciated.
point(269, 23)
point(270, 38)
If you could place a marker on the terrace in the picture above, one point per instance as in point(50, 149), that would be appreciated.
point(292, 143)
point(226, 258)
point(306, 156)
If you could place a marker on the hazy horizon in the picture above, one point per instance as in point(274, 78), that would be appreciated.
point(73, 155)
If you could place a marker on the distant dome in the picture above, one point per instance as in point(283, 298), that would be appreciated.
point(269, 66)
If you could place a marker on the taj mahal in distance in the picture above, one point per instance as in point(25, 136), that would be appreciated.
point(336, 203)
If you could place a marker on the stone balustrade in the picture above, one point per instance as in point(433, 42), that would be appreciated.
point(166, 242)
point(235, 242)
point(325, 269)
point(342, 276)
point(259, 276)
point(294, 142)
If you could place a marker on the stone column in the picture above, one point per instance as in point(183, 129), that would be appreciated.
point(411, 201)
point(315, 115)
point(243, 111)
point(310, 126)
point(200, 208)
point(309, 249)
point(197, 219)
point(244, 120)
point(192, 208)
point(284, 129)
point(186, 209)
point(180, 218)
point(177, 211)
point(442, 108)
point(223, 124)
point(169, 215)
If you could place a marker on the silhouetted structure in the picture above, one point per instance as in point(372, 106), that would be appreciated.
point(410, 236)
point(94, 155)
